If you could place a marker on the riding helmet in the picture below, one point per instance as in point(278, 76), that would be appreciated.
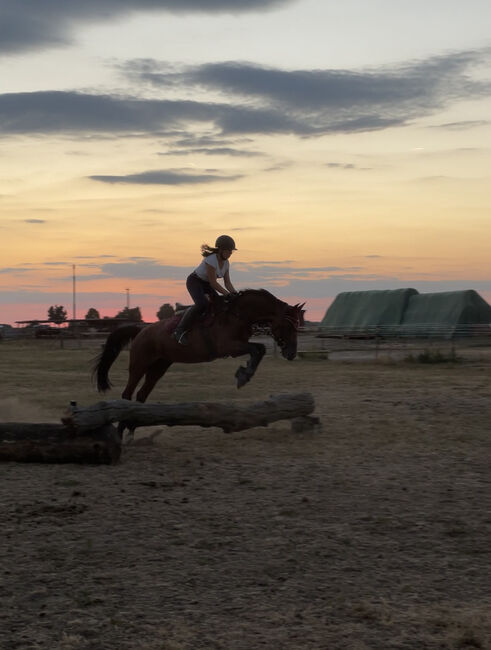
point(224, 241)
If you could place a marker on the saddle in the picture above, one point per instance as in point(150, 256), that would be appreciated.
point(218, 304)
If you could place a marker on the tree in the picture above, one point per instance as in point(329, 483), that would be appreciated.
point(166, 311)
point(133, 314)
point(92, 314)
point(57, 314)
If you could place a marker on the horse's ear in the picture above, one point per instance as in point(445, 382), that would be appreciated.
point(302, 312)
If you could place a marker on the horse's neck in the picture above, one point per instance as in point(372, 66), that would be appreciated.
point(257, 307)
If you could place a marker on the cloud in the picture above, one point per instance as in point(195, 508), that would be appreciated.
point(321, 101)
point(257, 100)
point(92, 257)
point(6, 270)
point(280, 277)
point(406, 84)
point(330, 288)
point(462, 125)
point(36, 24)
point(212, 151)
point(333, 165)
point(34, 221)
point(146, 269)
point(164, 177)
point(61, 112)
point(69, 113)
point(305, 289)
point(270, 270)
point(210, 140)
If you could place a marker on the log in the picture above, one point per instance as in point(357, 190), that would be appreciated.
point(229, 416)
point(57, 443)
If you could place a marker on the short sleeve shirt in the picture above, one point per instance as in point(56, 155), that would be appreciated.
point(211, 260)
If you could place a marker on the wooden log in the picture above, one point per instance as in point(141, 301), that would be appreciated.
point(229, 416)
point(57, 443)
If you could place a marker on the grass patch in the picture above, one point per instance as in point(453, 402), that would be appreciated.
point(434, 356)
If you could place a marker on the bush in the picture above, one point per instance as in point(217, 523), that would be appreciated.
point(434, 356)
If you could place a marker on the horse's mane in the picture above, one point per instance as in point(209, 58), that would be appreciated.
point(235, 298)
point(254, 291)
point(298, 311)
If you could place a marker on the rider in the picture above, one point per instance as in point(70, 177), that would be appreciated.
point(202, 282)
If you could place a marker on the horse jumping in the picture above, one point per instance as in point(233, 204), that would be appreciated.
point(154, 349)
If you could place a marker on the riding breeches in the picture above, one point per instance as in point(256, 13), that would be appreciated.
point(199, 290)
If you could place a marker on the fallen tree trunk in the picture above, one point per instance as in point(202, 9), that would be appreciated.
point(229, 416)
point(57, 443)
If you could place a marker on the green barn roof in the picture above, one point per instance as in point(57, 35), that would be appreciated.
point(365, 309)
point(407, 311)
point(447, 308)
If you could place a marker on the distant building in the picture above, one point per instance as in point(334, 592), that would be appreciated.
point(408, 312)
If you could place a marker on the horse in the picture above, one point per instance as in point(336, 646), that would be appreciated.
point(154, 349)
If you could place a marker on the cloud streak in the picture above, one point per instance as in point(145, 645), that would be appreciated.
point(333, 99)
point(257, 100)
point(35, 24)
point(164, 177)
point(212, 151)
point(76, 113)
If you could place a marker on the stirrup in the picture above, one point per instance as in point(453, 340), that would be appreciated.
point(180, 337)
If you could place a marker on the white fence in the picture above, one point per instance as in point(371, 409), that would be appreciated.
point(404, 331)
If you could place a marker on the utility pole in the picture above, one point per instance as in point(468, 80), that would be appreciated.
point(127, 299)
point(74, 294)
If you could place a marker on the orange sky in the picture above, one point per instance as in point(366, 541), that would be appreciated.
point(364, 165)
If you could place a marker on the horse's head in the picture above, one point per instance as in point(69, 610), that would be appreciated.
point(285, 327)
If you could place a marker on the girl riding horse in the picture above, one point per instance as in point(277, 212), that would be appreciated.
point(202, 282)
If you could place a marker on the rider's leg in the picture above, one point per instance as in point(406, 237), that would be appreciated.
point(197, 289)
point(186, 323)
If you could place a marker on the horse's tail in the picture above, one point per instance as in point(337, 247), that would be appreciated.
point(114, 344)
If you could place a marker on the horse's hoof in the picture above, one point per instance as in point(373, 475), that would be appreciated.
point(242, 377)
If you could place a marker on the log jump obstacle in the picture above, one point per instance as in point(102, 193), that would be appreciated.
point(87, 434)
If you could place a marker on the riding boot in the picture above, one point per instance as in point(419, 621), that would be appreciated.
point(186, 323)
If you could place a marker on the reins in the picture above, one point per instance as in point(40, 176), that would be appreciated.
point(293, 319)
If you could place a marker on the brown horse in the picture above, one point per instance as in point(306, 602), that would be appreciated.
point(154, 349)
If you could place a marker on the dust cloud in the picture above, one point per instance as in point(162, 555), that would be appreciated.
point(15, 409)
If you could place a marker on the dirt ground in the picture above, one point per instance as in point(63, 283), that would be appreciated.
point(373, 533)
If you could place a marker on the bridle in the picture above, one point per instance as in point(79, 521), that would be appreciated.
point(294, 320)
point(291, 315)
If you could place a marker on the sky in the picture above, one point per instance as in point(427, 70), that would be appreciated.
point(345, 146)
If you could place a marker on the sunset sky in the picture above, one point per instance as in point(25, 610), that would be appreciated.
point(344, 145)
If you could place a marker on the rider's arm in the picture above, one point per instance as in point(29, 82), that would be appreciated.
point(228, 282)
point(212, 279)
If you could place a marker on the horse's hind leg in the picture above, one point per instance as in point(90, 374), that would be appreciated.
point(136, 372)
point(153, 374)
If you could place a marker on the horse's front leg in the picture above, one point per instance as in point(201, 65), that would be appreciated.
point(245, 373)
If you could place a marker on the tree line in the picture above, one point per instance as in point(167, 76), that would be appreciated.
point(58, 314)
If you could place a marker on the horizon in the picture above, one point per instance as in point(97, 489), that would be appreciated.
point(316, 315)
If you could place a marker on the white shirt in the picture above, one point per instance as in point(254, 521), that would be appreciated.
point(211, 260)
